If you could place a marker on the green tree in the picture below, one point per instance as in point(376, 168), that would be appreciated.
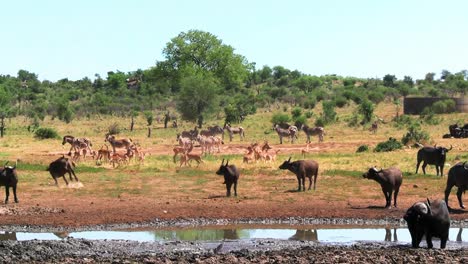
point(308, 83)
point(389, 80)
point(203, 51)
point(197, 97)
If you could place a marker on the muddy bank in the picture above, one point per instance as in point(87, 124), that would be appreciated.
point(253, 251)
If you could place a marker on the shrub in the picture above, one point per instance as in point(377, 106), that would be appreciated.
point(444, 106)
point(114, 129)
point(366, 109)
point(402, 121)
point(415, 135)
point(299, 121)
point(296, 112)
point(149, 117)
point(44, 133)
point(429, 117)
point(309, 114)
point(319, 122)
point(280, 118)
point(341, 101)
point(362, 148)
point(329, 114)
point(390, 145)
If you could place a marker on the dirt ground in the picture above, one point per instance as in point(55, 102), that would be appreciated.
point(55, 210)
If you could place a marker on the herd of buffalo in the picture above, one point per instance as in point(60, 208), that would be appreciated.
point(424, 218)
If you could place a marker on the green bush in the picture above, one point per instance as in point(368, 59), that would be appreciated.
point(45, 132)
point(329, 114)
point(279, 118)
point(340, 101)
point(366, 109)
point(429, 117)
point(319, 122)
point(296, 112)
point(309, 114)
point(415, 135)
point(444, 106)
point(390, 145)
point(362, 148)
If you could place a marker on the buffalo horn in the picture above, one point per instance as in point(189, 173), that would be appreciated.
point(289, 159)
point(450, 147)
point(222, 162)
point(227, 161)
point(6, 163)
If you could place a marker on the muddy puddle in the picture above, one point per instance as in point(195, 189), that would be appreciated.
point(339, 235)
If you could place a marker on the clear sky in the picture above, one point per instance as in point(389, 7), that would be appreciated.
point(363, 38)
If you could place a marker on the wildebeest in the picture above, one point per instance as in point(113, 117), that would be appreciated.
point(457, 176)
point(234, 130)
point(302, 169)
point(59, 167)
point(231, 176)
point(313, 131)
point(118, 143)
point(9, 178)
point(432, 156)
point(430, 219)
point(390, 180)
point(191, 134)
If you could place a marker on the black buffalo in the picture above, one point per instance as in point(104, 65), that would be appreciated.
point(9, 178)
point(432, 156)
point(231, 176)
point(302, 169)
point(389, 179)
point(430, 219)
point(457, 176)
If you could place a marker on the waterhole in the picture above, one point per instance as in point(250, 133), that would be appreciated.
point(317, 233)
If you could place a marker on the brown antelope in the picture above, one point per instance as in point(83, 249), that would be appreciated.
point(305, 150)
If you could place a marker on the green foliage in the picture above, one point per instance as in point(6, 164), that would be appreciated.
point(149, 117)
point(45, 133)
point(415, 135)
point(429, 117)
point(296, 112)
point(362, 148)
point(390, 145)
point(319, 122)
point(197, 97)
point(300, 120)
point(402, 121)
point(329, 114)
point(280, 118)
point(309, 114)
point(340, 101)
point(444, 106)
point(366, 109)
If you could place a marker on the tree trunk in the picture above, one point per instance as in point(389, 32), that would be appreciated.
point(132, 124)
point(149, 132)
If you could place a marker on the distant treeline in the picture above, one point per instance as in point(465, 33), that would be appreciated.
point(202, 76)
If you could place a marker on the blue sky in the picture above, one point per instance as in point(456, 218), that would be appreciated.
point(362, 38)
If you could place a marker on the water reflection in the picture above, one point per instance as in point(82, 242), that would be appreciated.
point(8, 236)
point(388, 235)
point(306, 234)
point(333, 235)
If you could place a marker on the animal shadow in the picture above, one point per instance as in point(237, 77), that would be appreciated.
point(368, 207)
point(457, 211)
point(216, 196)
point(292, 191)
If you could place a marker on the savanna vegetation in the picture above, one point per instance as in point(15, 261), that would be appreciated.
point(204, 82)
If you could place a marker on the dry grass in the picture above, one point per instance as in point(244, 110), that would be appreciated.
point(340, 167)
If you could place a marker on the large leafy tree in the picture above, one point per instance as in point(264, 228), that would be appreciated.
point(203, 51)
point(197, 97)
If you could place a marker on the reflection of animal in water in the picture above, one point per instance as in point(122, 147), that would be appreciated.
point(8, 236)
point(459, 235)
point(305, 234)
point(388, 235)
point(230, 234)
point(62, 235)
